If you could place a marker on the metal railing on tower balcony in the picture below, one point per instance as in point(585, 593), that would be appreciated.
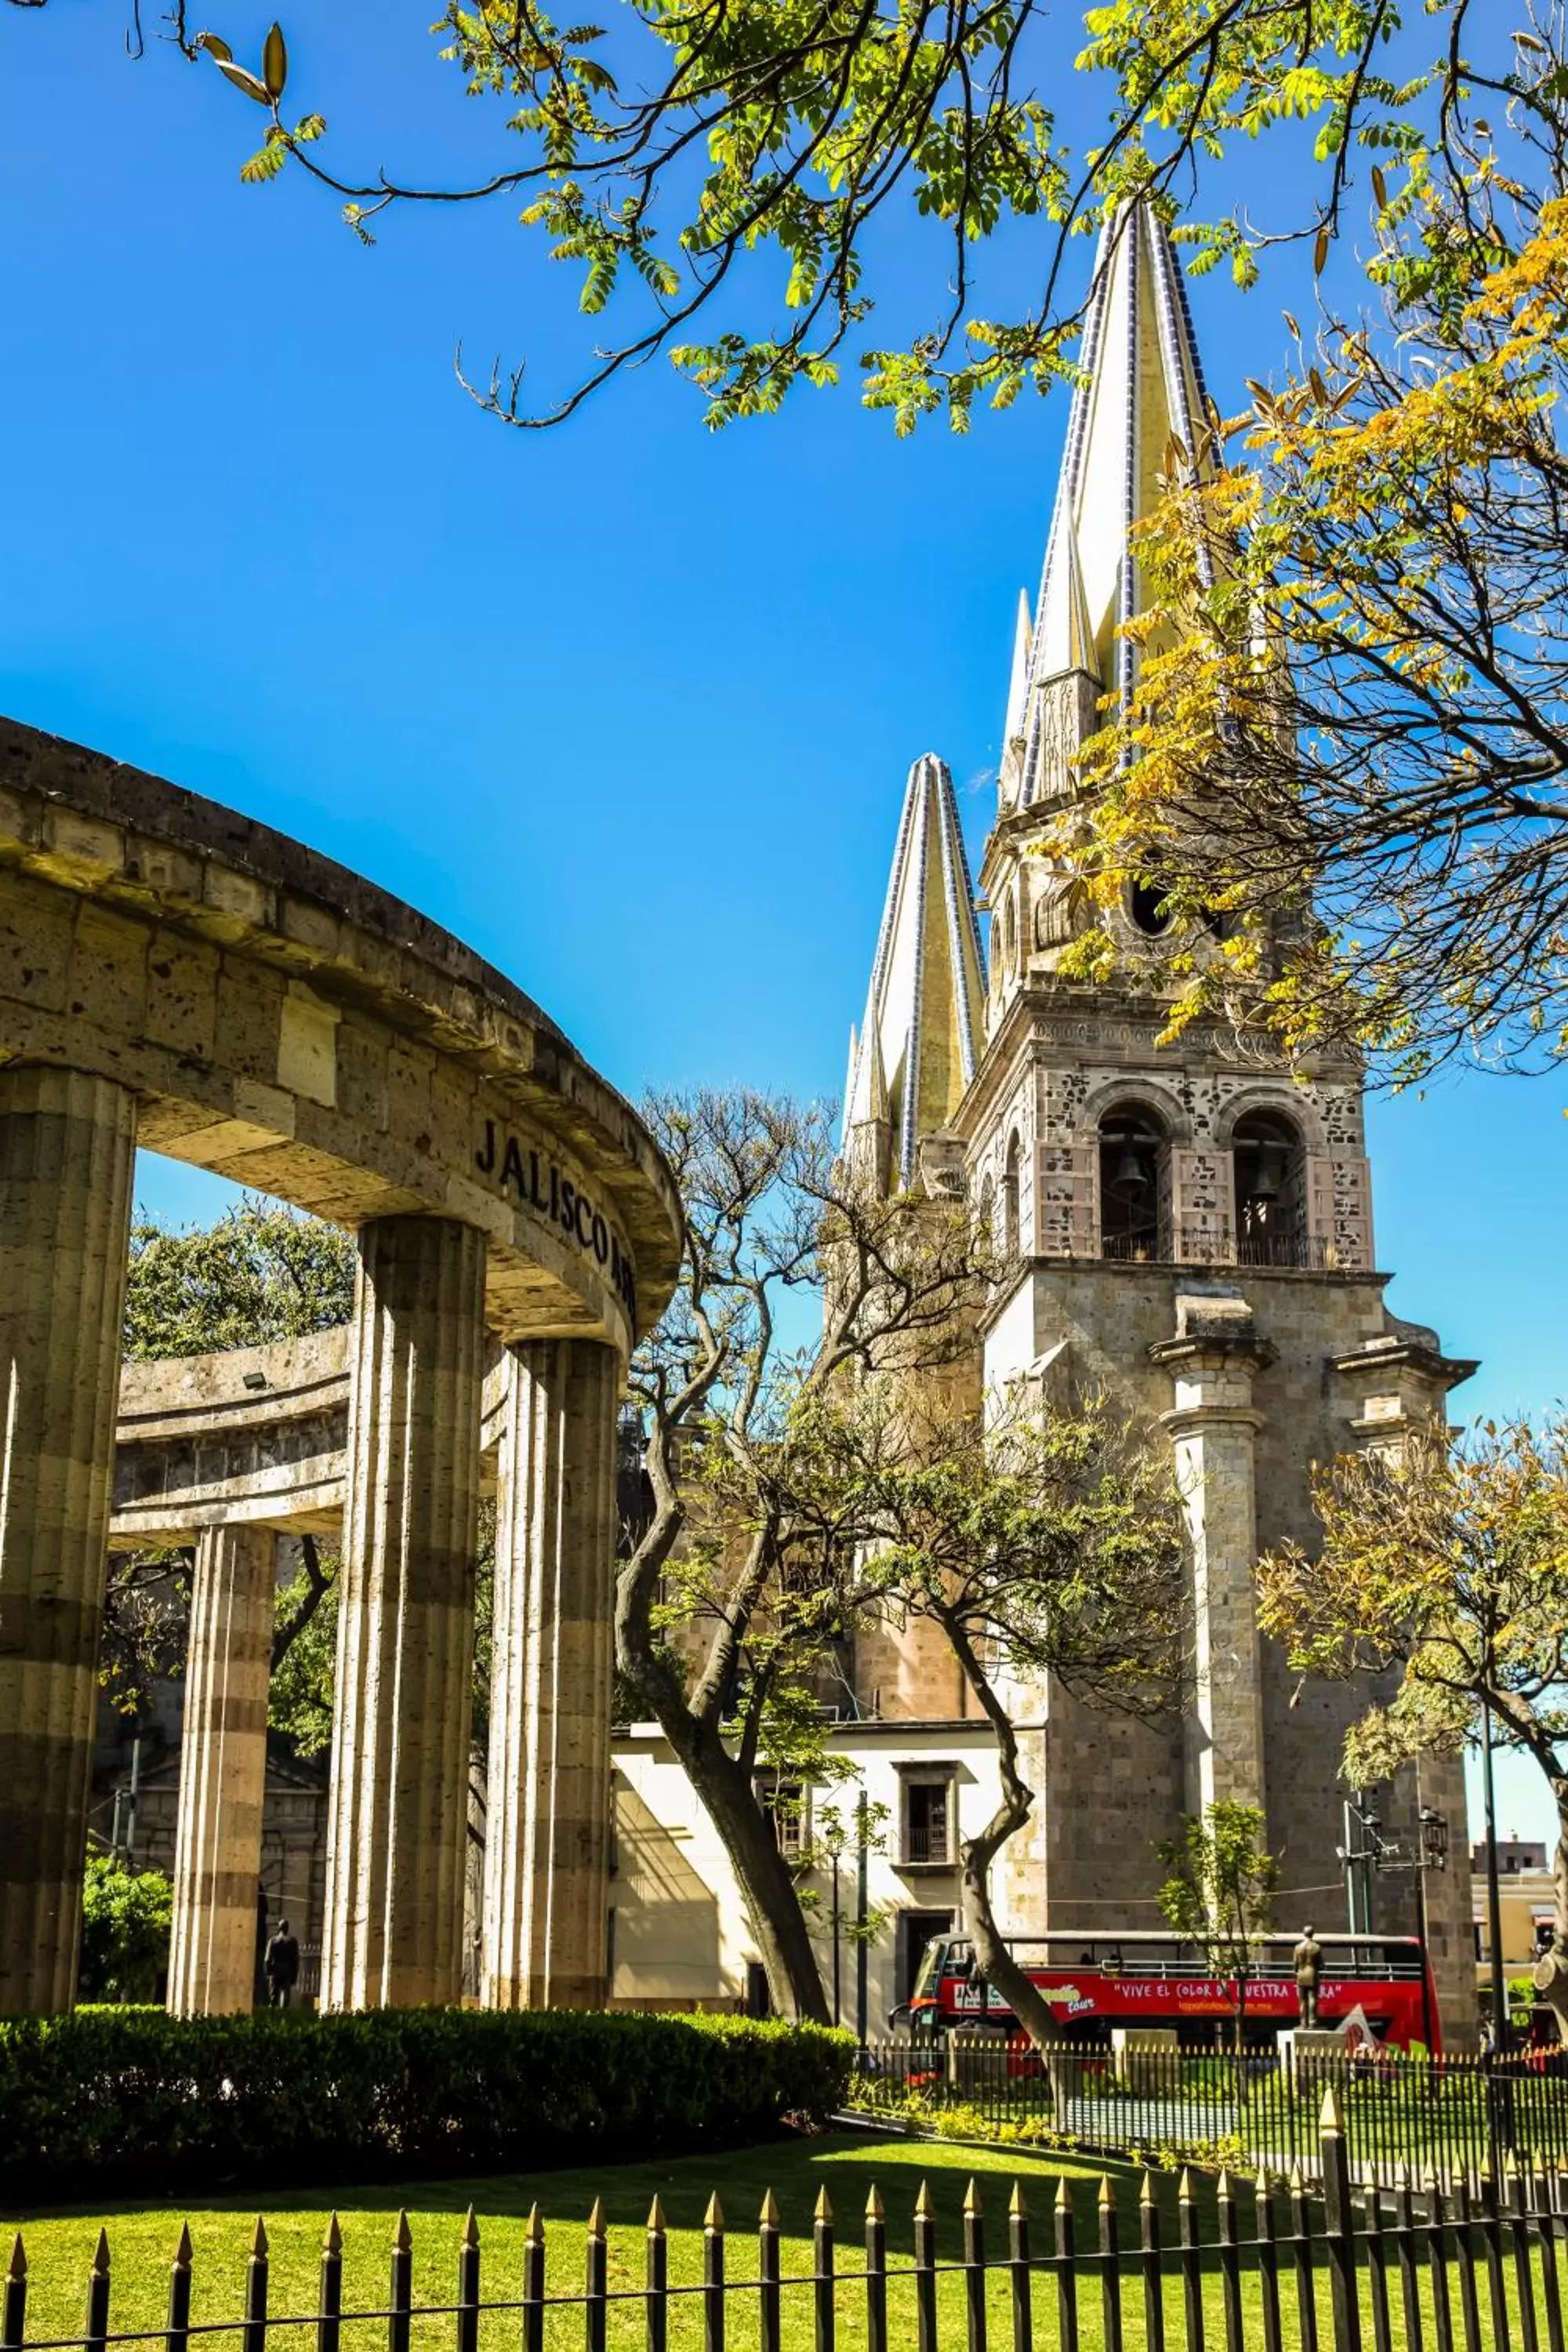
point(1195, 1244)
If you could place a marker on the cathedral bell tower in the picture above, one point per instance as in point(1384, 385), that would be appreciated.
point(1188, 1222)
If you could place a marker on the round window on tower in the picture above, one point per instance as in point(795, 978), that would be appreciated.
point(1146, 904)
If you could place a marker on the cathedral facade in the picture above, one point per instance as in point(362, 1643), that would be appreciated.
point(1188, 1225)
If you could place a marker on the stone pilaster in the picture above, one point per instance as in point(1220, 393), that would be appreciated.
point(67, 1149)
point(1391, 1389)
point(548, 1823)
point(1213, 1425)
point(406, 1624)
point(223, 1773)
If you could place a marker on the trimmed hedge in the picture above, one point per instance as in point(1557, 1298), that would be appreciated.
point(102, 2103)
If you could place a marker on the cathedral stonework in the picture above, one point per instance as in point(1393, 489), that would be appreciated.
point(1190, 1222)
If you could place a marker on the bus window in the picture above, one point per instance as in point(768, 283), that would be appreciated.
point(928, 1981)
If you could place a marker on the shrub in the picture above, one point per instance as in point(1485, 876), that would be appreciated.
point(125, 1921)
point(99, 2104)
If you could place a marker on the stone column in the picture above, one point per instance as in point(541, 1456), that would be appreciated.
point(68, 1150)
point(548, 1826)
point(223, 1773)
point(1213, 1427)
point(395, 1831)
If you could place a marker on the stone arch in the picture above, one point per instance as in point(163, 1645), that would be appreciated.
point(1151, 1095)
point(1292, 1104)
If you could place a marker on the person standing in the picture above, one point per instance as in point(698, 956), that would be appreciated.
point(283, 1966)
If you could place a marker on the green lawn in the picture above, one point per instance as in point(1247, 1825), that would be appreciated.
point(59, 2247)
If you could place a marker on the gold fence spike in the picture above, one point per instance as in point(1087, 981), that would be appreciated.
point(259, 2242)
point(100, 2254)
point(1064, 2202)
point(1185, 2191)
point(655, 2217)
point(334, 2240)
point(972, 2203)
point(402, 2237)
point(769, 2216)
point(1224, 2187)
point(534, 2228)
point(714, 2217)
point(923, 2205)
point(874, 2209)
point(1146, 2194)
point(824, 2209)
point(1107, 2193)
point(471, 2228)
point(1016, 2202)
point(1331, 2123)
point(182, 2251)
point(596, 2218)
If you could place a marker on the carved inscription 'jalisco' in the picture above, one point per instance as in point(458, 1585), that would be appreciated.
point(560, 1198)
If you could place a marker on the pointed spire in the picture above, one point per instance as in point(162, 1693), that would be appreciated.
point(769, 2212)
point(919, 1045)
point(1065, 640)
point(655, 2217)
point(334, 2239)
point(868, 1103)
point(1018, 684)
point(471, 2228)
point(1141, 402)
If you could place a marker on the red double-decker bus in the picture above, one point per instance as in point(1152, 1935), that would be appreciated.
point(1376, 1990)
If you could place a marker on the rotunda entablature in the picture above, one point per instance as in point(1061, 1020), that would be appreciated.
point(286, 1024)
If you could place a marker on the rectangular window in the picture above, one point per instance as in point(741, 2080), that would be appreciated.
point(928, 1819)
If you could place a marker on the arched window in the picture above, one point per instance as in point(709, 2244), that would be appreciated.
point(1131, 1173)
point(1010, 1242)
point(1270, 1191)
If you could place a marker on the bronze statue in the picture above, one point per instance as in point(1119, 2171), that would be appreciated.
point(1309, 1958)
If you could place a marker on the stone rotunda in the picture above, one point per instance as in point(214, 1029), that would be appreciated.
point(175, 976)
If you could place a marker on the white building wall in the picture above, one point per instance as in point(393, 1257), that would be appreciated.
point(682, 1933)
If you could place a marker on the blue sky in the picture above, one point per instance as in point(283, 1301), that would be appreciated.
point(628, 707)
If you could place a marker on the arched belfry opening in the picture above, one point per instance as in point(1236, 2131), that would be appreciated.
point(1270, 1164)
point(1132, 1182)
point(1010, 1226)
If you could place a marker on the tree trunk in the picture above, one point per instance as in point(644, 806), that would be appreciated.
point(976, 1854)
point(1550, 1975)
point(743, 1825)
point(722, 1784)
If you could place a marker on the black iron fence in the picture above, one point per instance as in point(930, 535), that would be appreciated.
point(1164, 2267)
point(1463, 2117)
